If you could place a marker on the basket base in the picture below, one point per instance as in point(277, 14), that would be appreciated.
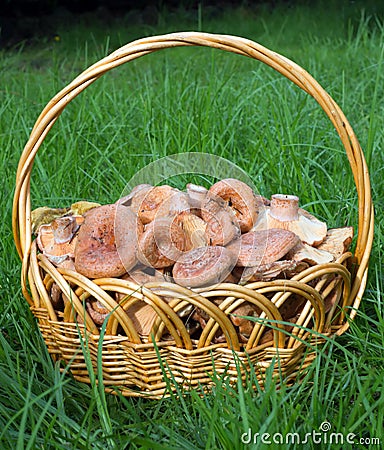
point(156, 371)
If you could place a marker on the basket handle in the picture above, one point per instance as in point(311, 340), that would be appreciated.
point(21, 215)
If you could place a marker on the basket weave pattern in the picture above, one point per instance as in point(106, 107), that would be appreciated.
point(132, 361)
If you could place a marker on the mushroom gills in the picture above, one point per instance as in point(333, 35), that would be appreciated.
point(337, 241)
point(311, 255)
point(195, 230)
point(57, 240)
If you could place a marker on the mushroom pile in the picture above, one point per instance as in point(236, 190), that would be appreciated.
point(194, 238)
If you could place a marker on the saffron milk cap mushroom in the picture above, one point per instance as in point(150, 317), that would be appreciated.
point(263, 246)
point(162, 243)
point(285, 213)
point(222, 228)
point(337, 241)
point(176, 203)
point(203, 266)
point(135, 197)
point(161, 201)
point(97, 311)
point(240, 198)
point(128, 229)
point(283, 268)
point(57, 240)
point(222, 225)
point(64, 228)
point(141, 274)
point(194, 228)
point(309, 254)
point(107, 242)
point(239, 318)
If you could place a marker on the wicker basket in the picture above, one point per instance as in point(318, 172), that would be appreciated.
point(138, 366)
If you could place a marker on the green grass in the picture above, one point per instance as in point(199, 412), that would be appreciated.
point(196, 100)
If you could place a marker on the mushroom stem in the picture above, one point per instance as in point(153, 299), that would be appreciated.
point(196, 195)
point(284, 207)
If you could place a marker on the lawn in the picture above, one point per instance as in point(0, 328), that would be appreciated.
point(197, 100)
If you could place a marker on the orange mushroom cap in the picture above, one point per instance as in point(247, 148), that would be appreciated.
point(107, 241)
point(203, 266)
point(263, 247)
point(240, 198)
point(162, 243)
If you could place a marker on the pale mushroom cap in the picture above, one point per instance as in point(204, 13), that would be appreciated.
point(309, 254)
point(240, 198)
point(203, 266)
